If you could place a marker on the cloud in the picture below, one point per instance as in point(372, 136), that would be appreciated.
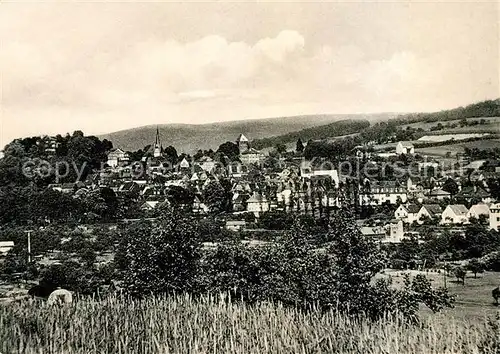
point(106, 67)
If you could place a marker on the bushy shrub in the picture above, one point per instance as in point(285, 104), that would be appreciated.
point(161, 257)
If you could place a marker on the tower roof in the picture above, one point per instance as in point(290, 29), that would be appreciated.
point(157, 139)
point(242, 138)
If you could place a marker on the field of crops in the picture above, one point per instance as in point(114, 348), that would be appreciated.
point(212, 325)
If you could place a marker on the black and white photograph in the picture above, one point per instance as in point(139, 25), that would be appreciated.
point(249, 177)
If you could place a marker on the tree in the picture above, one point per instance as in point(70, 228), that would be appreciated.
point(299, 147)
point(475, 266)
point(179, 196)
point(280, 148)
point(216, 197)
point(450, 186)
point(230, 150)
point(170, 154)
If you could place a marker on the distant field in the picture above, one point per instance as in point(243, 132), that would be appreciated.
point(427, 126)
point(459, 147)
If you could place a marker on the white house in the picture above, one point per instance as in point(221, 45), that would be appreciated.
point(284, 196)
point(184, 163)
point(495, 216)
point(117, 157)
point(251, 156)
point(257, 204)
point(380, 194)
point(477, 210)
point(404, 148)
point(454, 214)
point(395, 232)
point(206, 163)
point(5, 247)
point(235, 225)
point(149, 205)
point(407, 213)
point(309, 171)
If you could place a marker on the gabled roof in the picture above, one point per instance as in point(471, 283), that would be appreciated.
point(439, 192)
point(184, 163)
point(458, 209)
point(480, 209)
point(411, 208)
point(405, 144)
point(255, 198)
point(433, 209)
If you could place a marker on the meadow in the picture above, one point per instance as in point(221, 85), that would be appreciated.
point(474, 302)
point(213, 324)
point(457, 147)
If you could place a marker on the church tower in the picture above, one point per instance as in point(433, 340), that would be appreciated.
point(158, 148)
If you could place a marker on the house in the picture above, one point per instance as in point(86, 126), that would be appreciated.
point(414, 184)
point(474, 193)
point(184, 163)
point(308, 171)
point(376, 232)
point(199, 206)
point(429, 211)
point(454, 214)
point(5, 247)
point(495, 216)
point(238, 201)
point(206, 163)
point(235, 225)
point(383, 192)
point(427, 166)
point(475, 165)
point(68, 188)
point(395, 232)
point(251, 156)
point(478, 210)
point(403, 148)
point(407, 213)
point(117, 157)
point(362, 151)
point(149, 205)
point(257, 203)
point(439, 194)
point(130, 188)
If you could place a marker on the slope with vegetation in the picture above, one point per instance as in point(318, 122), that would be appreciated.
point(343, 127)
point(189, 138)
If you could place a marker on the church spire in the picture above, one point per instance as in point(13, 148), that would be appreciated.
point(157, 147)
point(157, 140)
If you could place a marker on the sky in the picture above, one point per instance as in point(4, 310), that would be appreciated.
point(106, 66)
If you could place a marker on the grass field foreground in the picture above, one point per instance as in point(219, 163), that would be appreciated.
point(212, 325)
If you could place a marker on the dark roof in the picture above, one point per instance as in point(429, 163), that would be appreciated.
point(469, 192)
point(412, 208)
point(433, 209)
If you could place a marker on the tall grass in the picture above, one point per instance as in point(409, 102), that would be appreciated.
point(211, 325)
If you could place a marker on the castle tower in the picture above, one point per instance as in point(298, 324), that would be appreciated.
point(243, 143)
point(158, 148)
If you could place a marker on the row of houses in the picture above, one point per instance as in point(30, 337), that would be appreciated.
point(452, 214)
